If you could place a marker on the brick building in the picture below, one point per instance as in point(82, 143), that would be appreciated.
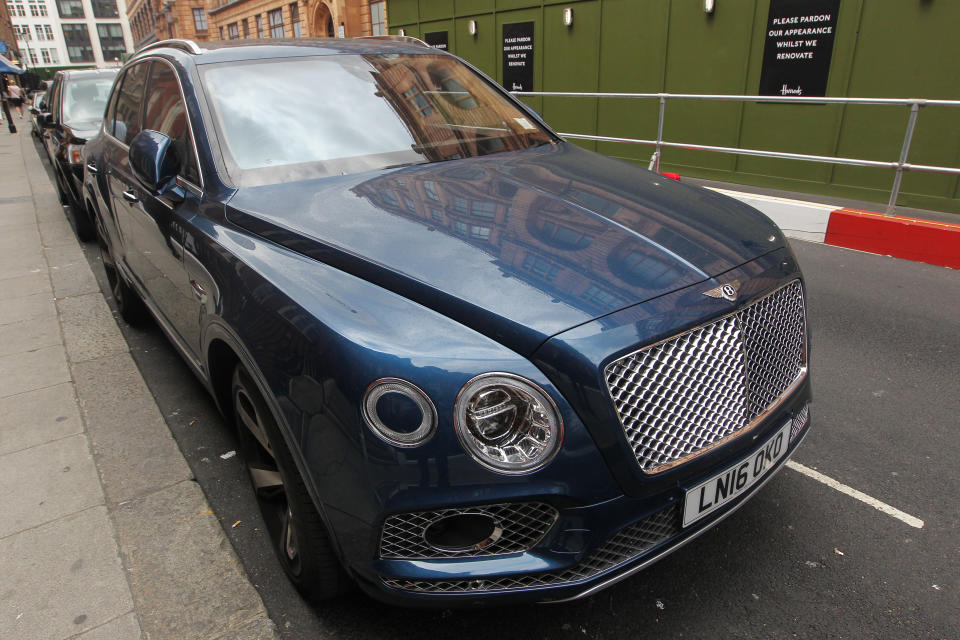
point(152, 20)
point(200, 20)
point(235, 19)
point(7, 34)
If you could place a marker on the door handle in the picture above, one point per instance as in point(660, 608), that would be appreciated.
point(198, 291)
point(130, 196)
point(92, 168)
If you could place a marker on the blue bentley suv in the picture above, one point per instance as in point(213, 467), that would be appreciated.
point(468, 362)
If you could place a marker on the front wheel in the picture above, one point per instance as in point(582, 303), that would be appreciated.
point(300, 538)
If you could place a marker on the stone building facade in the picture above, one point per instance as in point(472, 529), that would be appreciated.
point(204, 20)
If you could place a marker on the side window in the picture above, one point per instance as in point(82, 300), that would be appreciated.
point(53, 104)
point(165, 112)
point(127, 121)
point(112, 107)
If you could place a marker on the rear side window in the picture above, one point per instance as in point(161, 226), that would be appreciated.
point(127, 122)
point(166, 112)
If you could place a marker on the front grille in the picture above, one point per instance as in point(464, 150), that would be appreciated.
point(523, 525)
point(624, 546)
point(682, 395)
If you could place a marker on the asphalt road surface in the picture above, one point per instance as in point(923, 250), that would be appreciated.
point(800, 560)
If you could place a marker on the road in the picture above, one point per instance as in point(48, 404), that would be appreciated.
point(800, 560)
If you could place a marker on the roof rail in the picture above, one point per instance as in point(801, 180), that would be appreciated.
point(396, 38)
point(177, 43)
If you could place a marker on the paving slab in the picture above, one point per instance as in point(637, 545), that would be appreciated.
point(186, 580)
point(69, 272)
point(134, 450)
point(38, 369)
point(89, 328)
point(21, 261)
point(68, 578)
point(126, 627)
point(57, 232)
point(38, 305)
point(25, 285)
point(46, 482)
point(260, 629)
point(29, 335)
point(26, 236)
point(37, 417)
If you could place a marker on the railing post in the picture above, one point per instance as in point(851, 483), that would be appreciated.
point(663, 107)
point(904, 151)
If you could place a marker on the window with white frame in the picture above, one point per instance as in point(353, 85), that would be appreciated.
point(199, 19)
point(259, 26)
point(295, 19)
point(34, 60)
point(23, 31)
point(45, 56)
point(233, 31)
point(38, 8)
point(378, 17)
point(276, 23)
point(16, 8)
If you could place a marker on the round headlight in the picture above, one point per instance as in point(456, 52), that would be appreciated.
point(508, 424)
point(398, 412)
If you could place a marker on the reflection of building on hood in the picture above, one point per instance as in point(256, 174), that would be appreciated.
point(546, 240)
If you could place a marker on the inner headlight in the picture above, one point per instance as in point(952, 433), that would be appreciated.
point(507, 423)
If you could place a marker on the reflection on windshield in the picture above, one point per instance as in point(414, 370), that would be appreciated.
point(350, 113)
point(85, 99)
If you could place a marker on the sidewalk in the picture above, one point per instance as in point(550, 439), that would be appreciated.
point(104, 533)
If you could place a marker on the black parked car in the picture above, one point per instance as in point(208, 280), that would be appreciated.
point(468, 361)
point(76, 101)
point(38, 106)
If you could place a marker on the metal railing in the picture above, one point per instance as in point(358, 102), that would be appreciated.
point(899, 165)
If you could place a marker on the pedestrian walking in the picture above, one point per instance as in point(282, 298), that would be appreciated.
point(15, 93)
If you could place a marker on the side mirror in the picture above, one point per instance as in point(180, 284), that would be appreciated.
point(35, 111)
point(44, 121)
point(154, 162)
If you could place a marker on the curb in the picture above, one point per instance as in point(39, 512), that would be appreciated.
point(936, 243)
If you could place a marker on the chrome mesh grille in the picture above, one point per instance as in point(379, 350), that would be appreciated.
point(681, 395)
point(799, 419)
point(523, 524)
point(624, 546)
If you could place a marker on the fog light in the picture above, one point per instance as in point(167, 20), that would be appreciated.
point(399, 413)
point(508, 424)
point(462, 532)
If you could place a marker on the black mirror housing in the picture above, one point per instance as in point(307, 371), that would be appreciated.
point(154, 161)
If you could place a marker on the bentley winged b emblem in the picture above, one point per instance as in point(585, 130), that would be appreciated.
point(726, 291)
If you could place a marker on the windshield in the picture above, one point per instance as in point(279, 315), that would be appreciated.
point(84, 99)
point(295, 118)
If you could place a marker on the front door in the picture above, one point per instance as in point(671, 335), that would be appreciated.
point(151, 226)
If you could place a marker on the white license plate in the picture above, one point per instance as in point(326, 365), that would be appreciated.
point(734, 481)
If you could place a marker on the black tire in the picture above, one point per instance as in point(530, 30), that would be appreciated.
point(81, 221)
point(300, 537)
point(128, 303)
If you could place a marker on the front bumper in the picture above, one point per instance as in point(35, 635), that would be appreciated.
point(588, 549)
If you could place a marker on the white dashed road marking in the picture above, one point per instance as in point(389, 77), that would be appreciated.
point(859, 495)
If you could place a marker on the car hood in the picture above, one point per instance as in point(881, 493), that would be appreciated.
point(83, 130)
point(519, 246)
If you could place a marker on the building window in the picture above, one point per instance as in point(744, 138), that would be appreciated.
point(16, 9)
point(481, 209)
point(199, 19)
point(275, 18)
point(540, 267)
point(23, 31)
point(480, 233)
point(38, 8)
point(78, 42)
point(105, 8)
point(246, 28)
point(33, 57)
point(70, 8)
point(111, 42)
point(378, 18)
point(221, 32)
point(295, 19)
point(259, 26)
point(459, 204)
point(436, 214)
point(431, 188)
point(460, 228)
point(45, 55)
point(233, 31)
